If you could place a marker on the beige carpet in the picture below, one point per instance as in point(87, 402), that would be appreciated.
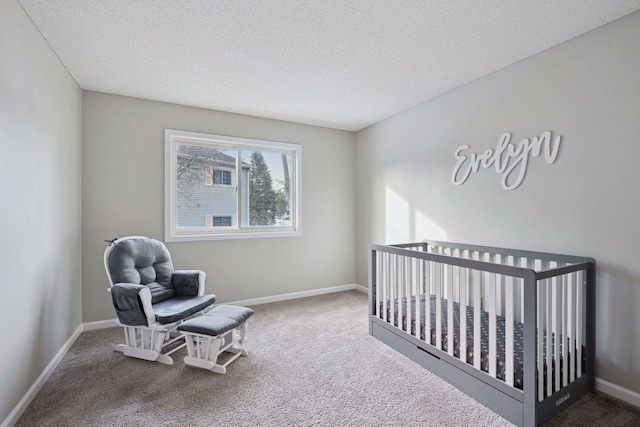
point(311, 362)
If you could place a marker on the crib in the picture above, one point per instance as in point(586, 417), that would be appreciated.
point(513, 329)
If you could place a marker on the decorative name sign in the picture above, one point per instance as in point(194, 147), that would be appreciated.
point(510, 160)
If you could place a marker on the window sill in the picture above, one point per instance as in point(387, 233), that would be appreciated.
point(231, 236)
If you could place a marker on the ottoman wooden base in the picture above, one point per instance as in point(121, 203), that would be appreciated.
point(222, 329)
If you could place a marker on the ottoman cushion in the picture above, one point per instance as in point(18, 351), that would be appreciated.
point(219, 320)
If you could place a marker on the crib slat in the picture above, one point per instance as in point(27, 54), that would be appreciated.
point(493, 326)
point(509, 318)
point(572, 327)
point(392, 286)
point(399, 289)
point(378, 268)
point(438, 292)
point(450, 325)
point(418, 282)
point(548, 324)
point(464, 279)
point(469, 295)
point(427, 302)
point(376, 284)
point(477, 317)
point(456, 289)
point(408, 294)
point(541, 301)
point(556, 304)
point(579, 299)
point(385, 286)
point(565, 322)
point(524, 263)
point(483, 282)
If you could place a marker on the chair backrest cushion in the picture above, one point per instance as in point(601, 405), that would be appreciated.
point(143, 261)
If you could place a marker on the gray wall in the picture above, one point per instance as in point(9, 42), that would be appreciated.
point(123, 194)
point(40, 154)
point(587, 203)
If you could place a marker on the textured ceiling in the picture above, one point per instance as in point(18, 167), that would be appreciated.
point(343, 64)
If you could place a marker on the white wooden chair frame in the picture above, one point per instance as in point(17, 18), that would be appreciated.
point(148, 342)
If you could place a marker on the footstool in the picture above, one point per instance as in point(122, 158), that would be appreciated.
point(222, 329)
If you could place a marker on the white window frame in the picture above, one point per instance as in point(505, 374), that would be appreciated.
point(173, 234)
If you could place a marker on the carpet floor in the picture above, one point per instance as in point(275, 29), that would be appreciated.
point(311, 362)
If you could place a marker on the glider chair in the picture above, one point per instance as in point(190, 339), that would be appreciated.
point(152, 299)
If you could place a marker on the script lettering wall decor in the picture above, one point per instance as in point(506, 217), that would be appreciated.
point(508, 159)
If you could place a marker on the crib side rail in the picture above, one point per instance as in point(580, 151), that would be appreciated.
point(427, 292)
point(564, 329)
point(561, 258)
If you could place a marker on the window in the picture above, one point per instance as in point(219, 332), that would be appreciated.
point(222, 221)
point(217, 176)
point(222, 177)
point(217, 221)
point(220, 187)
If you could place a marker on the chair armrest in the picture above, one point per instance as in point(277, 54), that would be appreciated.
point(189, 283)
point(132, 303)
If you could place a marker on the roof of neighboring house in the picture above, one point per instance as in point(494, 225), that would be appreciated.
point(208, 154)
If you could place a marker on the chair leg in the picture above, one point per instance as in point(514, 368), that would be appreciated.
point(239, 335)
point(203, 351)
point(144, 343)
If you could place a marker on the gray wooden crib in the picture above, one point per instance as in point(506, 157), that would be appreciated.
point(513, 329)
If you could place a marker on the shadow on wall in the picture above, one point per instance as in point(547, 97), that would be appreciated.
point(404, 224)
point(617, 291)
point(617, 346)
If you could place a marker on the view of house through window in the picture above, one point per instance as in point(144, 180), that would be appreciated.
point(231, 186)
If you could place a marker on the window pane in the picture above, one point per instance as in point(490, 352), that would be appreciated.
point(222, 221)
point(218, 176)
point(197, 168)
point(267, 196)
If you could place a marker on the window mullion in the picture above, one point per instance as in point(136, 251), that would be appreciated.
point(238, 188)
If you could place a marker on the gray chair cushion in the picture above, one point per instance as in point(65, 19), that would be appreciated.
point(219, 320)
point(145, 262)
point(180, 307)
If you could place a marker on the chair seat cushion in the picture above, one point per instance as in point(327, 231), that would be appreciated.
point(218, 320)
point(181, 307)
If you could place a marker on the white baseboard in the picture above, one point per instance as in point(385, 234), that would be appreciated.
point(624, 394)
point(22, 405)
point(100, 324)
point(295, 295)
point(110, 323)
point(361, 288)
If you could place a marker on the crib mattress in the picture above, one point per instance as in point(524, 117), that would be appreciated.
point(518, 329)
